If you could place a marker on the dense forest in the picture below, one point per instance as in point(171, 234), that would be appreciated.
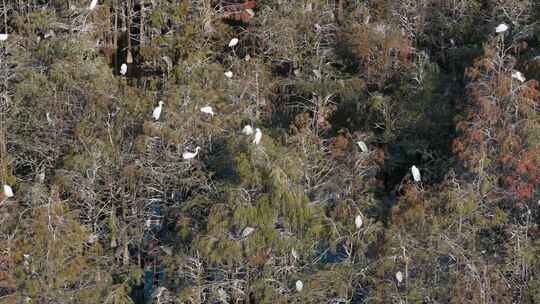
point(269, 151)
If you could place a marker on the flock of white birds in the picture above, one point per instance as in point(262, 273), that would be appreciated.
point(248, 131)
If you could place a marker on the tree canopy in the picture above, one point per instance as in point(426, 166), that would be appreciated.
point(347, 95)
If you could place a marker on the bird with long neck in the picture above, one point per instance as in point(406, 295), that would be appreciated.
point(157, 110)
point(190, 155)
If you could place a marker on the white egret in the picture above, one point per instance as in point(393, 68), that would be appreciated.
point(92, 238)
point(250, 12)
point(208, 110)
point(157, 110)
point(258, 136)
point(190, 155)
point(501, 28)
point(399, 276)
point(233, 42)
point(8, 192)
point(362, 146)
point(93, 4)
point(49, 119)
point(3, 37)
point(247, 231)
point(519, 76)
point(247, 130)
point(49, 34)
point(123, 69)
point(168, 61)
point(358, 221)
point(294, 254)
point(416, 174)
point(229, 74)
point(299, 286)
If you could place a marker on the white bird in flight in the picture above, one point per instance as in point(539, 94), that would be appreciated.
point(3, 37)
point(247, 130)
point(208, 110)
point(93, 4)
point(501, 28)
point(299, 286)
point(358, 221)
point(229, 74)
point(258, 136)
point(233, 42)
point(190, 155)
point(416, 174)
point(8, 192)
point(123, 69)
point(157, 110)
point(362, 146)
point(399, 276)
point(519, 76)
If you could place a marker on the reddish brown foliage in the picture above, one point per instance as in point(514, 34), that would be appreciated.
point(339, 145)
point(239, 11)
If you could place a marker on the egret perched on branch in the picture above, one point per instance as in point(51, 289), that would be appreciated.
point(258, 136)
point(229, 74)
point(157, 111)
point(190, 155)
point(294, 254)
point(50, 121)
point(501, 28)
point(247, 130)
point(416, 174)
point(358, 221)
point(3, 37)
point(299, 286)
point(362, 146)
point(519, 76)
point(49, 34)
point(208, 110)
point(93, 4)
point(168, 61)
point(123, 69)
point(399, 276)
point(233, 42)
point(247, 231)
point(8, 192)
